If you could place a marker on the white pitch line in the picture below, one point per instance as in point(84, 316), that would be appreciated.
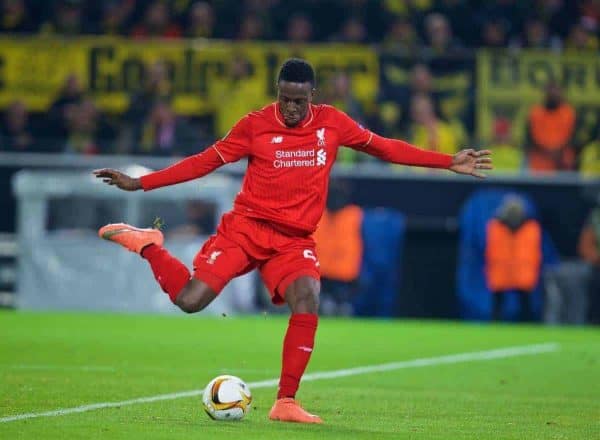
point(500, 353)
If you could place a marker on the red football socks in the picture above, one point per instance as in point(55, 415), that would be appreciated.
point(297, 348)
point(171, 274)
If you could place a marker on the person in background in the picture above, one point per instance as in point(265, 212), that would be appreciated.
point(156, 87)
point(165, 134)
point(157, 23)
point(402, 37)
point(582, 37)
point(15, 132)
point(67, 19)
point(339, 247)
point(550, 128)
point(15, 17)
point(589, 158)
point(299, 29)
point(114, 16)
point(513, 256)
point(353, 31)
point(494, 34)
point(338, 93)
point(440, 40)
point(57, 124)
point(201, 21)
point(508, 158)
point(589, 251)
point(87, 132)
point(537, 36)
point(429, 131)
point(240, 92)
point(252, 28)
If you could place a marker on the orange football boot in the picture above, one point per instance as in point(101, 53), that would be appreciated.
point(130, 237)
point(288, 410)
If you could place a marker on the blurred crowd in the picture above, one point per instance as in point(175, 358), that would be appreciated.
point(75, 124)
point(435, 24)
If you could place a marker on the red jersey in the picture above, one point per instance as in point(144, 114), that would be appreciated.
point(288, 167)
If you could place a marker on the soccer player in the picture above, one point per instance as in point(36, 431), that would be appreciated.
point(291, 146)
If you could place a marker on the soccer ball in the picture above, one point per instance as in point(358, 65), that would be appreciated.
point(226, 398)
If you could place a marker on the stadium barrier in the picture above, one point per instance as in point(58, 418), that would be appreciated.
point(64, 265)
point(430, 201)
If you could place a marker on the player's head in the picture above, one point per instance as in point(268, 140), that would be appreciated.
point(295, 87)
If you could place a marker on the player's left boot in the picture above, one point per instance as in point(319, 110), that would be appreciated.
point(131, 238)
point(288, 410)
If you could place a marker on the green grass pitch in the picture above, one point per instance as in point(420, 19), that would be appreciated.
point(50, 361)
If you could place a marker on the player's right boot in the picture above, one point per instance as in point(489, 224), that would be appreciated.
point(131, 238)
point(288, 410)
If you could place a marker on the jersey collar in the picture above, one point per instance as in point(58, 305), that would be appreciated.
point(307, 119)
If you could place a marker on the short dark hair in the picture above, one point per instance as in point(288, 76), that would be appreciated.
point(298, 71)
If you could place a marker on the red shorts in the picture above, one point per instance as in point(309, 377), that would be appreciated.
point(242, 244)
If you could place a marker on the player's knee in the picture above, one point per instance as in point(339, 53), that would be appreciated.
point(195, 298)
point(305, 296)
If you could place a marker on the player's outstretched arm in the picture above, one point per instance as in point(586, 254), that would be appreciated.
point(118, 179)
point(471, 162)
point(189, 168)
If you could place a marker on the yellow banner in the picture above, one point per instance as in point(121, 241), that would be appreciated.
point(509, 84)
point(202, 73)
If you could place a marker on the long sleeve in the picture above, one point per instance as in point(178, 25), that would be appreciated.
point(355, 136)
point(400, 152)
point(189, 168)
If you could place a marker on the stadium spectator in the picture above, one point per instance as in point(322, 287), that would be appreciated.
point(581, 38)
point(550, 128)
point(494, 35)
point(589, 251)
point(252, 28)
point(508, 158)
point(429, 131)
point(201, 21)
point(402, 37)
point(156, 87)
point(460, 18)
point(299, 29)
point(537, 36)
point(513, 256)
point(114, 16)
point(339, 247)
point(589, 158)
point(157, 23)
point(70, 94)
point(15, 132)
point(440, 39)
point(338, 92)
point(86, 132)
point(166, 134)
point(16, 17)
point(66, 19)
point(353, 31)
point(240, 94)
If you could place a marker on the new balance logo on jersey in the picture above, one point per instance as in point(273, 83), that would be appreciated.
point(321, 156)
point(321, 137)
point(213, 256)
point(277, 139)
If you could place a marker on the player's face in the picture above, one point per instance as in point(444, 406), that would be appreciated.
point(294, 99)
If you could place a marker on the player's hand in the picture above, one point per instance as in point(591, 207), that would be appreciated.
point(471, 162)
point(119, 179)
